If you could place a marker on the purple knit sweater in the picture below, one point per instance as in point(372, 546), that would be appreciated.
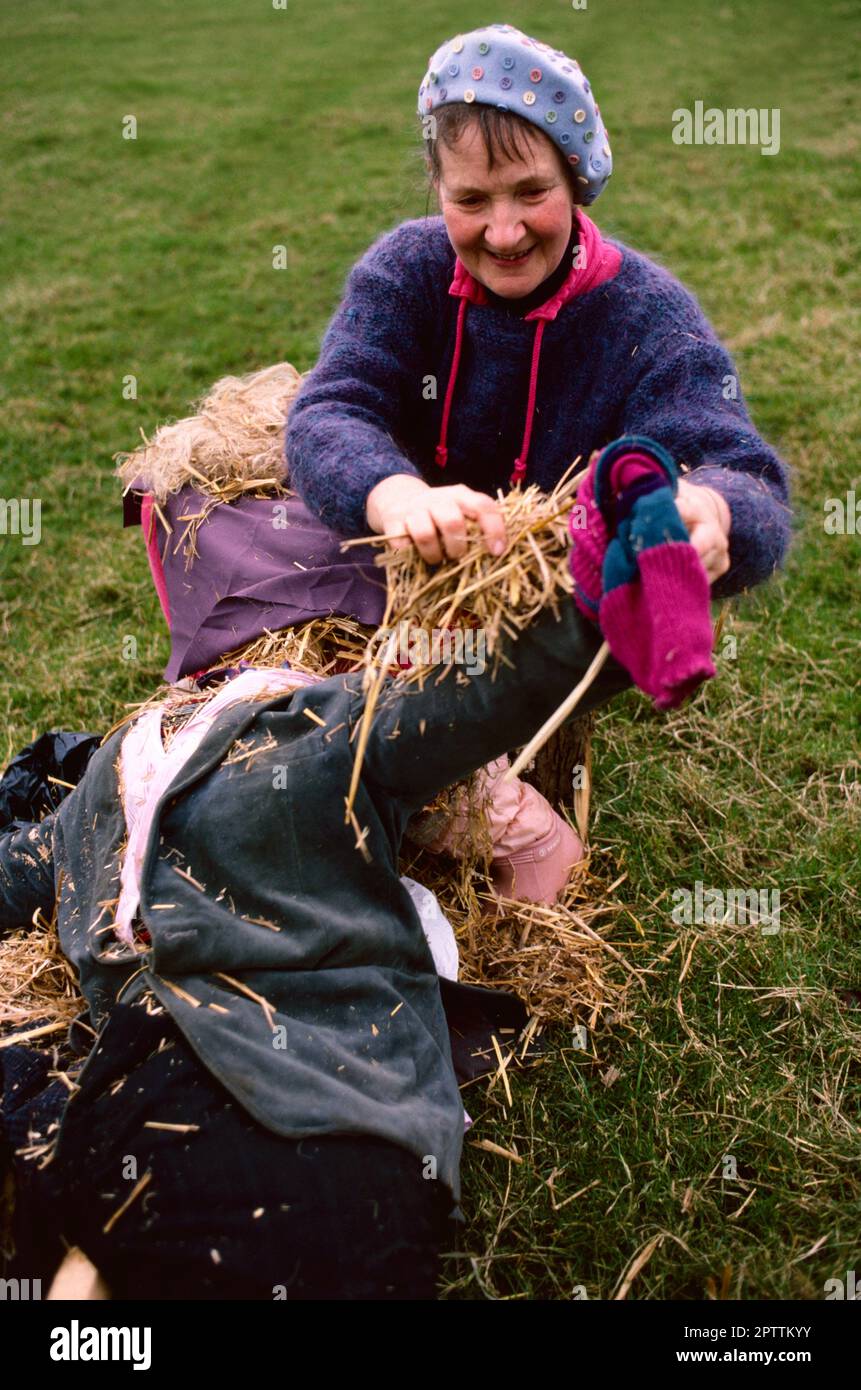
point(636, 355)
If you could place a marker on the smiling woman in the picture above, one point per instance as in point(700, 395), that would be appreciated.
point(496, 343)
point(491, 346)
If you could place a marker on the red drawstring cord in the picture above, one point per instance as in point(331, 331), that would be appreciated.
point(441, 450)
point(441, 454)
point(520, 463)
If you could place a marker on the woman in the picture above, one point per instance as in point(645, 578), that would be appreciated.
point(270, 1109)
point(495, 343)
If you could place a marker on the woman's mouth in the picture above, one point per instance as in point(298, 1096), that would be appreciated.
point(511, 260)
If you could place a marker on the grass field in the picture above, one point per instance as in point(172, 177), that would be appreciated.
point(152, 258)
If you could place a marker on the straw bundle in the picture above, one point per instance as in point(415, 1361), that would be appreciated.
point(323, 647)
point(233, 444)
point(493, 595)
point(499, 594)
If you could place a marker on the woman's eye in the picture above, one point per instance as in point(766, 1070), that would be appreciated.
point(473, 200)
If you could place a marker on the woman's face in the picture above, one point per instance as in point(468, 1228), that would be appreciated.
point(524, 205)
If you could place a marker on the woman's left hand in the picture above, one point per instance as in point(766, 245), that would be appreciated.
point(708, 519)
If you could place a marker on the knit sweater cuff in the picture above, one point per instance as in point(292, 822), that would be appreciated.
point(760, 530)
point(343, 509)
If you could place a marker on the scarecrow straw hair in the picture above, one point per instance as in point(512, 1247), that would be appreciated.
point(234, 442)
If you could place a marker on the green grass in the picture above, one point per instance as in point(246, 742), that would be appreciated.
point(153, 257)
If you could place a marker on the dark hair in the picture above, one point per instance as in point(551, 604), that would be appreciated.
point(501, 131)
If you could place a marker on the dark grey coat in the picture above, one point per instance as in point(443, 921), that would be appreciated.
point(360, 1042)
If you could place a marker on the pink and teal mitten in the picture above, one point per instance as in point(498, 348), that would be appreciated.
point(636, 573)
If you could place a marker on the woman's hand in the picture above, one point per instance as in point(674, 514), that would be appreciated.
point(708, 519)
point(434, 518)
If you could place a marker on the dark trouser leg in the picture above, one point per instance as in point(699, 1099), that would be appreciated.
point(231, 1210)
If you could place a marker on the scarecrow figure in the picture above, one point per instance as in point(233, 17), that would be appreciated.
point(271, 1034)
point(272, 1043)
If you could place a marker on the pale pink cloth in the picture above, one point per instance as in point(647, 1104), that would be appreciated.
point(148, 768)
point(517, 814)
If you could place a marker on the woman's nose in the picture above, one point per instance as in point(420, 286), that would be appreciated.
point(504, 233)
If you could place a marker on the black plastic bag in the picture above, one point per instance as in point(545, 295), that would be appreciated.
point(26, 795)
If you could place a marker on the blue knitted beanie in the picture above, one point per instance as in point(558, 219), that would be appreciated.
point(502, 67)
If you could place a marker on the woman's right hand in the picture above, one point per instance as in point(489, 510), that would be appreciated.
point(433, 518)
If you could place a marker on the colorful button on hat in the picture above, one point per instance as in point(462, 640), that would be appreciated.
point(540, 84)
